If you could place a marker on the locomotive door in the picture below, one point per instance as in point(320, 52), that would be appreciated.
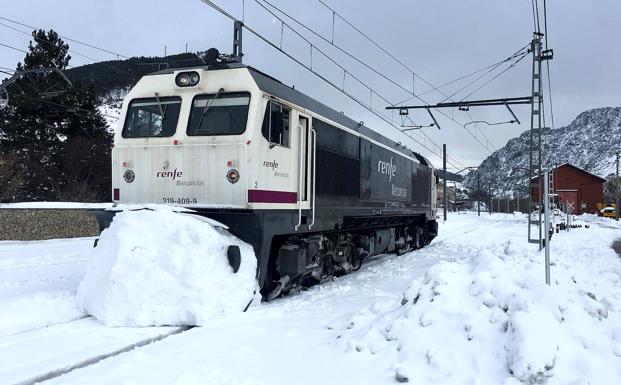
point(305, 139)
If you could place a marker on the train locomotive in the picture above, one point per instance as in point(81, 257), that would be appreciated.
point(312, 190)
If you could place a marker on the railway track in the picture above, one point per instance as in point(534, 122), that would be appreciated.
point(56, 339)
point(40, 355)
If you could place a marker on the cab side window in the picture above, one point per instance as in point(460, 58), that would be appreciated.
point(276, 124)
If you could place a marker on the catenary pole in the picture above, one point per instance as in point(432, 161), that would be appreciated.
point(478, 194)
point(618, 193)
point(445, 190)
point(491, 197)
point(546, 204)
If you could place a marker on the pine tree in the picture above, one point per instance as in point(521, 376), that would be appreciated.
point(60, 139)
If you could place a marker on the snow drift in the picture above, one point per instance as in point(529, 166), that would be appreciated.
point(486, 317)
point(154, 268)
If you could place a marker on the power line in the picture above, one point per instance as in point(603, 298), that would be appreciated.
point(340, 49)
point(513, 56)
point(7, 69)
point(497, 75)
point(70, 108)
point(459, 78)
point(409, 134)
point(118, 70)
point(310, 69)
point(69, 39)
point(13, 48)
point(83, 90)
point(378, 72)
point(335, 13)
point(414, 74)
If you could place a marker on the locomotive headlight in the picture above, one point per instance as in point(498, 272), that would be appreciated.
point(232, 175)
point(129, 176)
point(187, 79)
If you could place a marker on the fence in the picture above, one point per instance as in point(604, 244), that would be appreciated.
point(506, 205)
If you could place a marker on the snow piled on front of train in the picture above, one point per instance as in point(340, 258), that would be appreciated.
point(158, 267)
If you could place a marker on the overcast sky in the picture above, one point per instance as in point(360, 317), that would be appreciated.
point(440, 40)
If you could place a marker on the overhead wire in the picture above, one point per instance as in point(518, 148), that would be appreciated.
point(426, 137)
point(379, 46)
point(84, 90)
point(13, 48)
point(7, 69)
point(434, 88)
point(312, 70)
point(458, 79)
point(69, 39)
point(384, 76)
point(71, 50)
point(90, 45)
point(70, 108)
point(512, 57)
point(497, 75)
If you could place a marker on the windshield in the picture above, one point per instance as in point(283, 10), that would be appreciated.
point(219, 114)
point(147, 118)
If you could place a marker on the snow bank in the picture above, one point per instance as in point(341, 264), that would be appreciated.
point(158, 267)
point(36, 310)
point(487, 318)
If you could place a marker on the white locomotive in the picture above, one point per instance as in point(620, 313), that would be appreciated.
point(313, 191)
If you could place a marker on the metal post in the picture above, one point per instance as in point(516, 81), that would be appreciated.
point(518, 204)
point(617, 186)
point(237, 41)
point(478, 194)
point(491, 197)
point(535, 143)
point(445, 190)
point(508, 205)
point(546, 203)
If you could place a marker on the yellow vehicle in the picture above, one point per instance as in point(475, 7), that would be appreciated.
point(609, 212)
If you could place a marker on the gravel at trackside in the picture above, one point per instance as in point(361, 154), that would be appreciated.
point(37, 224)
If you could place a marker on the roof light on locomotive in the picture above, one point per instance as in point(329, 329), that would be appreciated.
point(187, 79)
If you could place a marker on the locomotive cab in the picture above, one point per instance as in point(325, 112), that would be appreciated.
point(210, 138)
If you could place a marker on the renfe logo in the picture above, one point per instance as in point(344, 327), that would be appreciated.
point(387, 168)
point(169, 174)
point(270, 164)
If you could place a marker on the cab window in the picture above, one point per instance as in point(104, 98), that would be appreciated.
point(219, 114)
point(152, 117)
point(276, 124)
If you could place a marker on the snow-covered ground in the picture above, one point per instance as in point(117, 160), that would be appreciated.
point(472, 308)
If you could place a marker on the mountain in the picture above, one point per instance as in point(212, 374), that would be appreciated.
point(590, 142)
point(107, 76)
